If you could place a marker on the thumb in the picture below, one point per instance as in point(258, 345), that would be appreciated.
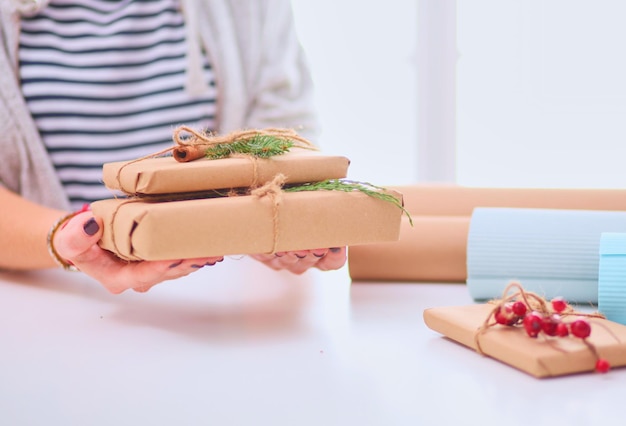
point(76, 239)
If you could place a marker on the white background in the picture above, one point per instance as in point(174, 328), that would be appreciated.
point(362, 56)
point(540, 89)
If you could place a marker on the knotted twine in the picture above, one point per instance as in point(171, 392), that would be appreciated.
point(193, 147)
point(272, 190)
point(534, 302)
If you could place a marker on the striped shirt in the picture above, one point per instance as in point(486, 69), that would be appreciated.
point(104, 81)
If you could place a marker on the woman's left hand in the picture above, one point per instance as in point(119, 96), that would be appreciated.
point(299, 262)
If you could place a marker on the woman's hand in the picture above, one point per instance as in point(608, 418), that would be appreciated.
point(77, 242)
point(300, 261)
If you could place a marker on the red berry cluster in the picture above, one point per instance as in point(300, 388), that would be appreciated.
point(551, 322)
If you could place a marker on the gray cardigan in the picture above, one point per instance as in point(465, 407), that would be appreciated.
point(259, 66)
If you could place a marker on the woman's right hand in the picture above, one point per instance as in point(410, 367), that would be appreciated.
point(77, 242)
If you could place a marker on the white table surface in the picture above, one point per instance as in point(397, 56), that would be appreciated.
point(239, 344)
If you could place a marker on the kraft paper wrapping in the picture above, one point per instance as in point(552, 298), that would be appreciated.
point(553, 252)
point(165, 175)
point(542, 356)
point(433, 250)
point(450, 200)
point(140, 230)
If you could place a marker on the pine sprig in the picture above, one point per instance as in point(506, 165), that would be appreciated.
point(349, 186)
point(262, 146)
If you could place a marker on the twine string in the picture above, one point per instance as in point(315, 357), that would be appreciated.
point(535, 302)
point(193, 147)
point(273, 190)
point(112, 222)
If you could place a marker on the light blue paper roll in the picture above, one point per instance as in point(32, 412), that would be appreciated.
point(612, 277)
point(551, 252)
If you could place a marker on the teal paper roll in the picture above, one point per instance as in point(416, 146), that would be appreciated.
point(612, 277)
point(551, 252)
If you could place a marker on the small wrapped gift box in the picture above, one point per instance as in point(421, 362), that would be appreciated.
point(137, 229)
point(541, 356)
point(165, 175)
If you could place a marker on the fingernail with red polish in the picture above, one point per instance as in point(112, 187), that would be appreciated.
point(91, 227)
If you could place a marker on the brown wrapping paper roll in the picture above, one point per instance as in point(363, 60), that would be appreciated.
point(434, 249)
point(449, 200)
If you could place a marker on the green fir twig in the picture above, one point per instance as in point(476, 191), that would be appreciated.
point(349, 186)
point(262, 146)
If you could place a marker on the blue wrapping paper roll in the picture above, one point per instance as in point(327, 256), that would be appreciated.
point(612, 277)
point(551, 252)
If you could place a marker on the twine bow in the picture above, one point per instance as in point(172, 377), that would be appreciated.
point(538, 306)
point(534, 303)
point(195, 146)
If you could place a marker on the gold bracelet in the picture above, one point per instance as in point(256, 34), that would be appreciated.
point(53, 253)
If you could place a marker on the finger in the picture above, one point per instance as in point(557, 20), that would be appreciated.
point(75, 240)
point(297, 262)
point(319, 253)
point(153, 273)
point(141, 276)
point(334, 259)
point(265, 257)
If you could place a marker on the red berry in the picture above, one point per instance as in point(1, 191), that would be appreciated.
point(504, 315)
point(559, 304)
point(602, 366)
point(519, 308)
point(562, 330)
point(550, 324)
point(580, 328)
point(533, 323)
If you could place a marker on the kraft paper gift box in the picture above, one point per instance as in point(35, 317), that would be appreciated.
point(165, 175)
point(138, 229)
point(542, 356)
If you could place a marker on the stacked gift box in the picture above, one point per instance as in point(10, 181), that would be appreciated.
point(214, 207)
